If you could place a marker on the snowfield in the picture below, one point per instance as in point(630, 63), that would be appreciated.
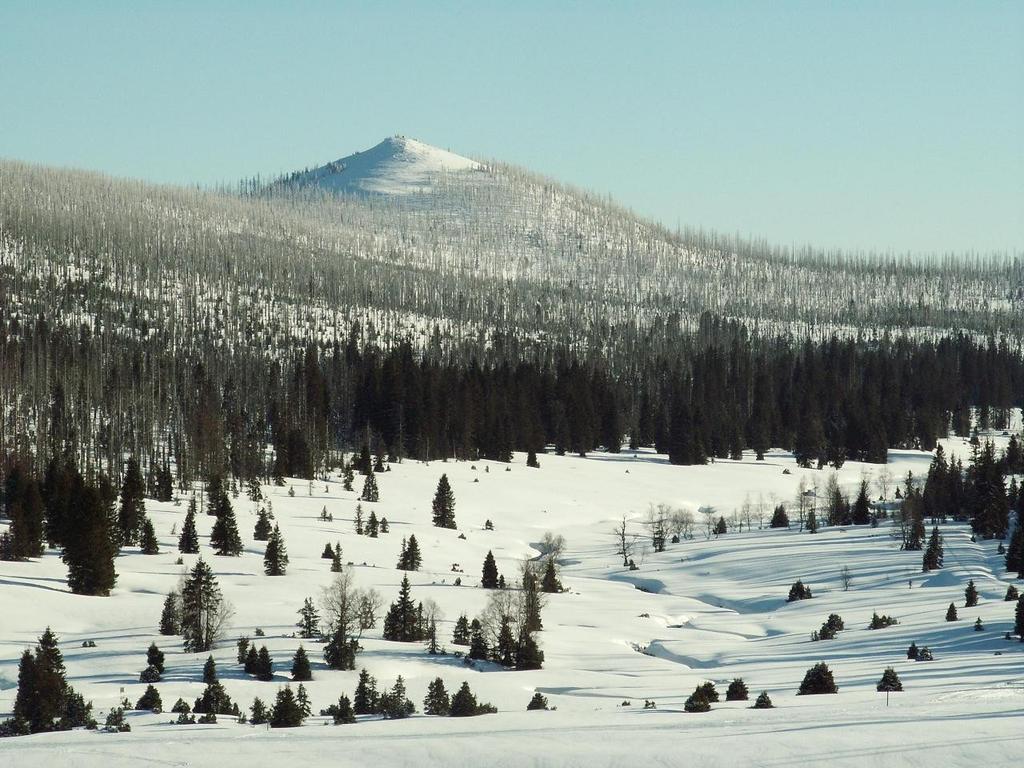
point(705, 609)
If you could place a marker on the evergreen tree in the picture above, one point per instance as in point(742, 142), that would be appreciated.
point(364, 701)
point(530, 603)
point(242, 646)
point(202, 609)
point(539, 701)
point(264, 665)
point(477, 642)
point(210, 671)
point(300, 666)
point(489, 580)
point(224, 537)
point(170, 617)
point(328, 553)
point(528, 654)
point(812, 522)
point(336, 560)
point(764, 701)
point(951, 613)
point(443, 505)
point(817, 680)
point(155, 658)
point(912, 651)
point(970, 595)
point(550, 582)
point(401, 622)
point(359, 518)
point(799, 592)
point(188, 542)
point(395, 704)
point(463, 703)
point(150, 700)
point(286, 712)
point(779, 517)
point(260, 713)
point(737, 691)
point(147, 539)
point(302, 699)
point(861, 512)
point(342, 712)
point(437, 701)
point(309, 620)
point(372, 526)
point(1018, 621)
point(263, 529)
point(23, 506)
point(933, 554)
point(132, 507)
point(370, 491)
point(88, 550)
point(252, 661)
point(1015, 552)
point(1011, 593)
point(275, 558)
point(460, 635)
point(890, 681)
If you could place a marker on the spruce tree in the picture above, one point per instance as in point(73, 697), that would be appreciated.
point(155, 658)
point(88, 550)
point(242, 646)
point(364, 701)
point(477, 642)
point(737, 690)
point(395, 704)
point(224, 537)
point(933, 554)
point(818, 680)
point(550, 582)
point(202, 609)
point(1011, 593)
point(890, 681)
point(132, 507)
point(170, 617)
point(188, 542)
point(210, 671)
point(372, 526)
point(342, 712)
point(301, 671)
point(463, 703)
point(443, 505)
point(1018, 620)
point(336, 560)
point(951, 614)
point(287, 713)
point(309, 620)
point(370, 492)
point(970, 595)
point(264, 665)
point(779, 517)
point(460, 635)
point(260, 714)
point(150, 700)
point(764, 701)
point(275, 558)
point(401, 621)
point(489, 580)
point(252, 661)
point(328, 553)
point(358, 520)
point(437, 701)
point(147, 539)
point(263, 528)
point(861, 512)
point(798, 592)
point(23, 506)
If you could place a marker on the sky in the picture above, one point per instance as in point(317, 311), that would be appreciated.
point(859, 125)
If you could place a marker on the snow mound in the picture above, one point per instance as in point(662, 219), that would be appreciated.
point(397, 166)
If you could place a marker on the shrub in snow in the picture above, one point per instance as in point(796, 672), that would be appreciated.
point(881, 622)
point(799, 591)
point(763, 701)
point(539, 701)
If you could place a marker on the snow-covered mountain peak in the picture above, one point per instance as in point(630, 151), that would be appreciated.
point(396, 166)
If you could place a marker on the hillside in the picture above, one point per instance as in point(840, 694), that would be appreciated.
point(710, 608)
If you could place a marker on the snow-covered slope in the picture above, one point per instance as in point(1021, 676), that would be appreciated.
point(397, 166)
point(706, 609)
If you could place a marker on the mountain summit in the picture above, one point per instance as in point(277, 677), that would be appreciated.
point(397, 166)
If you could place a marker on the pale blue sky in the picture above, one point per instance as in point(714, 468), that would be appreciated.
point(897, 126)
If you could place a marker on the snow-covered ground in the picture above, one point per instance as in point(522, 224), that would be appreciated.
point(706, 609)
